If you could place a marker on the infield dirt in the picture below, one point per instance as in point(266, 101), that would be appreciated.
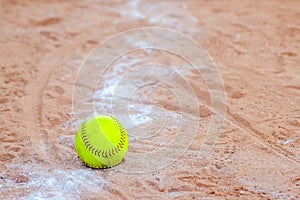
point(255, 45)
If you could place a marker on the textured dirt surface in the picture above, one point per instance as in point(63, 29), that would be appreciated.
point(255, 45)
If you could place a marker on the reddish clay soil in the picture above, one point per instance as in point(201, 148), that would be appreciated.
point(255, 45)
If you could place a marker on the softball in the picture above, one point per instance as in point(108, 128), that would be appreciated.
point(101, 142)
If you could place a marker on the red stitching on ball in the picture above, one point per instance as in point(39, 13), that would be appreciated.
point(101, 152)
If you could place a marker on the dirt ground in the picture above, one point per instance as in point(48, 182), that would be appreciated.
point(255, 45)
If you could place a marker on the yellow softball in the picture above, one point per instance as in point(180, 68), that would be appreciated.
point(101, 142)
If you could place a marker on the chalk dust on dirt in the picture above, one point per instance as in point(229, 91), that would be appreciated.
point(255, 45)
